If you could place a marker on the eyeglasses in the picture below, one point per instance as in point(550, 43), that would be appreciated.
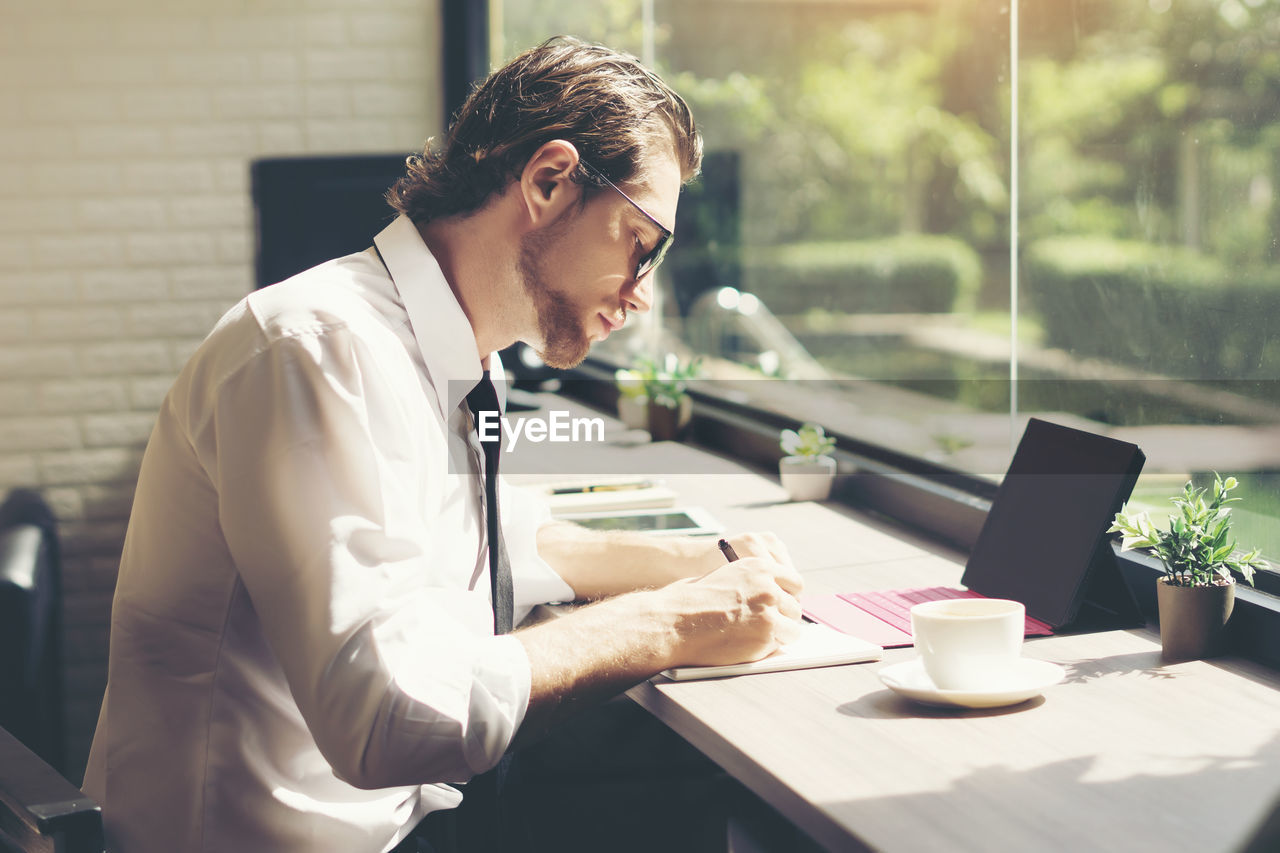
point(654, 256)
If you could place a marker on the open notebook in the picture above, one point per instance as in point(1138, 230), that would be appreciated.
point(816, 646)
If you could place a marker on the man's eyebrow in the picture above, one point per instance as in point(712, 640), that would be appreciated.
point(653, 223)
point(651, 226)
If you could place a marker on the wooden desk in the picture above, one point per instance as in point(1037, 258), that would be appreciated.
point(1126, 755)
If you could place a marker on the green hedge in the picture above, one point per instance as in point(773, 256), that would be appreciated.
point(1164, 309)
point(912, 273)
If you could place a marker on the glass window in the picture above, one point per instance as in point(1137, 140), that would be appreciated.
point(934, 219)
point(1149, 141)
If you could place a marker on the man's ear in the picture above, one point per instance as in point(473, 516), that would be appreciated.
point(546, 185)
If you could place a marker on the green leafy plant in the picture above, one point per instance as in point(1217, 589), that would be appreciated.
point(1197, 549)
point(631, 380)
point(664, 382)
point(810, 440)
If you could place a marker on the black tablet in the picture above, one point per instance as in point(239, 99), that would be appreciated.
point(1044, 542)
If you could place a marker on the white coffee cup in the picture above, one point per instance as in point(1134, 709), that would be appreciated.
point(968, 643)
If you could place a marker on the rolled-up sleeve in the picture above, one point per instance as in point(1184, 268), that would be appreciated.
point(325, 489)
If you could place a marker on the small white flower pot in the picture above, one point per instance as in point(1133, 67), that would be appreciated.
point(807, 478)
point(633, 412)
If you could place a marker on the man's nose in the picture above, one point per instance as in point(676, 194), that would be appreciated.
point(640, 296)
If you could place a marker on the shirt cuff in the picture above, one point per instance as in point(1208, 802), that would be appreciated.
point(534, 582)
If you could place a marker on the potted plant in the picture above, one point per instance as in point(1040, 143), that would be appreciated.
point(808, 470)
point(633, 399)
point(670, 407)
point(653, 395)
point(1197, 593)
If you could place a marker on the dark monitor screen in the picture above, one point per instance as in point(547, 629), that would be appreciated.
point(312, 209)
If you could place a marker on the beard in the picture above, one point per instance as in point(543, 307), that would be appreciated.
point(564, 340)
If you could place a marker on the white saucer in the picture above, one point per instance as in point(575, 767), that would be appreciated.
point(1026, 679)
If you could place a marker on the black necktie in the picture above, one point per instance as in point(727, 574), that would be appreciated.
point(483, 398)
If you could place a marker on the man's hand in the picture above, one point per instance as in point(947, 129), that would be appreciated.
point(733, 613)
point(740, 611)
point(599, 564)
point(761, 544)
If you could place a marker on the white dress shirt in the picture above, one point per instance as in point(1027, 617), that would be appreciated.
point(302, 650)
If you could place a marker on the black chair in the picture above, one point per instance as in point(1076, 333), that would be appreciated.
point(41, 811)
point(30, 626)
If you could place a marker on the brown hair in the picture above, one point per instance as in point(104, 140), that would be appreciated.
point(613, 109)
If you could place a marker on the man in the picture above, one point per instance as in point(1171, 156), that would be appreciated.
point(304, 652)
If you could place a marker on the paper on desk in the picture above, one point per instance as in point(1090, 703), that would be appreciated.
point(654, 496)
point(816, 646)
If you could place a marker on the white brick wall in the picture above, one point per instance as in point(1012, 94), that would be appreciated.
point(126, 224)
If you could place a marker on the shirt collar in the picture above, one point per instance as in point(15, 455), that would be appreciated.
point(439, 325)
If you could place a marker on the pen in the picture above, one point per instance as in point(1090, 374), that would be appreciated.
point(601, 487)
point(732, 555)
